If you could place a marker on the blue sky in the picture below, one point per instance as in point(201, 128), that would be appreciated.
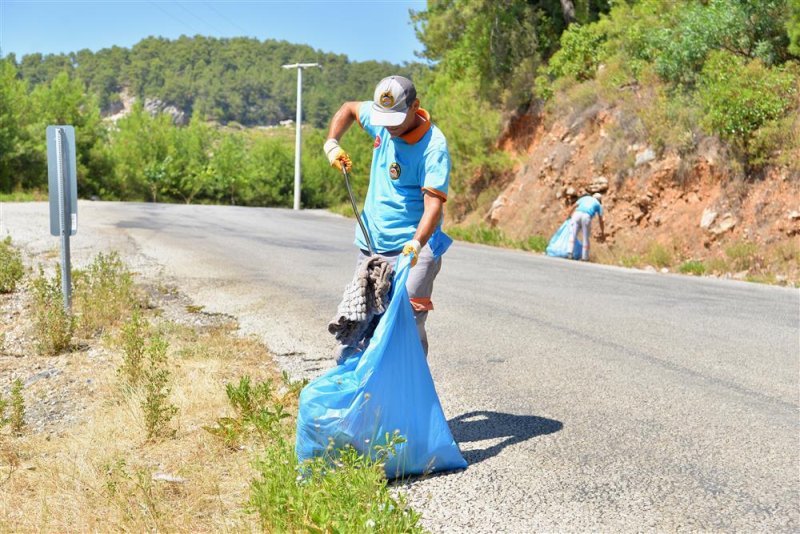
point(362, 30)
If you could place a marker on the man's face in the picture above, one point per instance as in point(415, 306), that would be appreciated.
point(408, 123)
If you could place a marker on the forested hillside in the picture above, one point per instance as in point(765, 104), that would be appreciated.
point(225, 80)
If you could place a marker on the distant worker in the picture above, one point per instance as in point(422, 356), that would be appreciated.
point(581, 214)
point(408, 185)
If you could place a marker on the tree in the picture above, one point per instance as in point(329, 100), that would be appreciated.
point(15, 145)
point(793, 28)
point(63, 101)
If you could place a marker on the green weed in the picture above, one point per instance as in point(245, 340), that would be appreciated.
point(53, 325)
point(258, 412)
point(346, 492)
point(3, 407)
point(692, 267)
point(631, 261)
point(132, 341)
point(17, 417)
point(536, 243)
point(742, 255)
point(11, 268)
point(717, 265)
point(158, 411)
point(487, 235)
point(658, 255)
point(479, 233)
point(767, 278)
point(293, 386)
point(34, 195)
point(103, 294)
point(132, 490)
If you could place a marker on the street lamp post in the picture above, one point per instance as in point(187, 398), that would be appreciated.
point(298, 124)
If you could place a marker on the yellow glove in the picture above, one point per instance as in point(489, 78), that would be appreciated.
point(336, 156)
point(412, 247)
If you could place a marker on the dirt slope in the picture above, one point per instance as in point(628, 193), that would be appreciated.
point(661, 209)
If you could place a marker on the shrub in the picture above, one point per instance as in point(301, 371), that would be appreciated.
point(742, 255)
point(717, 265)
point(630, 261)
point(156, 406)
point(344, 493)
point(747, 29)
point(658, 255)
point(17, 418)
point(536, 243)
point(258, 411)
point(11, 268)
point(3, 408)
point(487, 235)
point(777, 142)
point(738, 97)
point(793, 28)
point(692, 267)
point(52, 323)
point(103, 293)
point(582, 50)
point(133, 350)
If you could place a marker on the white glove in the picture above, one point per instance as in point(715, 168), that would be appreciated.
point(412, 247)
point(336, 156)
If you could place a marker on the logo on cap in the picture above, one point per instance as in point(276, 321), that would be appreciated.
point(387, 99)
point(394, 171)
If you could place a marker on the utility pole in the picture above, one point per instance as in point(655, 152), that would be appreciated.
point(298, 125)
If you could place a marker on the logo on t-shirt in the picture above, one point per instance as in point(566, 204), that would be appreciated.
point(377, 142)
point(394, 171)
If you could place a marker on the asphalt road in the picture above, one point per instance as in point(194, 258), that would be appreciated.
point(584, 397)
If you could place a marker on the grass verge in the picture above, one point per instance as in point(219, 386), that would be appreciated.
point(486, 235)
point(11, 267)
point(187, 427)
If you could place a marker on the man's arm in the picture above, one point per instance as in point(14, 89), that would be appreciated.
point(343, 119)
point(602, 227)
point(431, 216)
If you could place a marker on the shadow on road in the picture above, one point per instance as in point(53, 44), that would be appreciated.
point(483, 425)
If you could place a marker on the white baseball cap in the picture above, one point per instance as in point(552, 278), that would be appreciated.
point(393, 96)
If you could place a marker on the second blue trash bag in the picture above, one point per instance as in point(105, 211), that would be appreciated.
point(559, 243)
point(388, 388)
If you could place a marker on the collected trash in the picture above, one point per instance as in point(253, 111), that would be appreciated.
point(385, 390)
point(365, 299)
point(559, 243)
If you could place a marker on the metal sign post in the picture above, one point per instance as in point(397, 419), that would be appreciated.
point(63, 193)
point(298, 143)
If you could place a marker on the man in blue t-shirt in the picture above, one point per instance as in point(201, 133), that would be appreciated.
point(581, 214)
point(408, 184)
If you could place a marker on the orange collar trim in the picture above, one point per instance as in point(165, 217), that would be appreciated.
point(419, 132)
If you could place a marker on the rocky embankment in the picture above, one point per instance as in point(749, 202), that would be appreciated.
point(689, 206)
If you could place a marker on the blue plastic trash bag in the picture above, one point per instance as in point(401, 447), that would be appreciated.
point(559, 243)
point(386, 388)
point(439, 243)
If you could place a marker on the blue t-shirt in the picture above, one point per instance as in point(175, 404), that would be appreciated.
point(590, 205)
point(403, 170)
